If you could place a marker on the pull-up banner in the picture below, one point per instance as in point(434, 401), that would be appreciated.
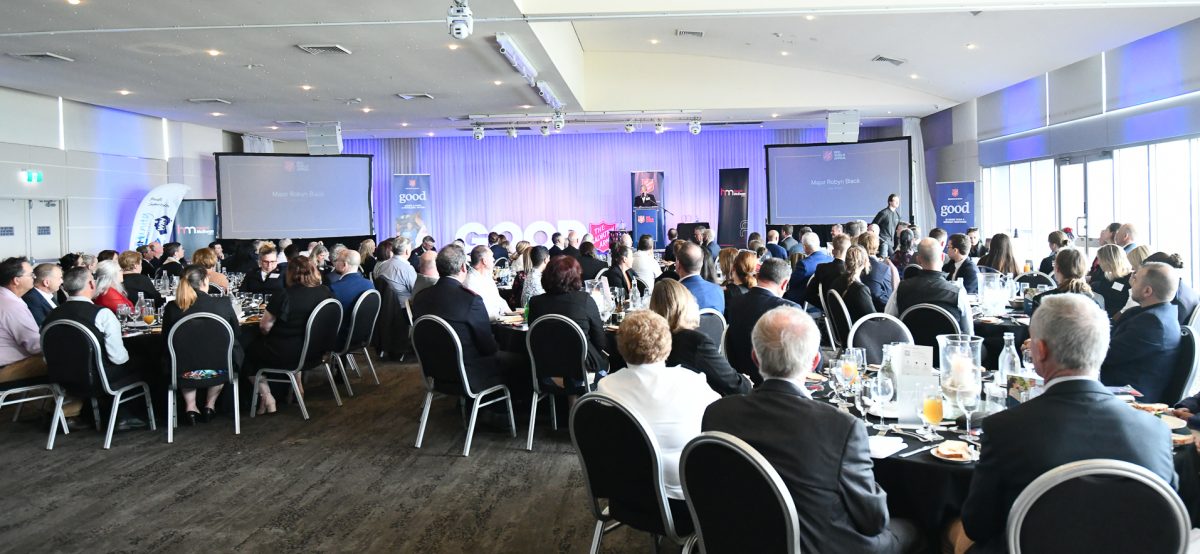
point(732, 207)
point(155, 216)
point(954, 203)
point(195, 224)
point(410, 194)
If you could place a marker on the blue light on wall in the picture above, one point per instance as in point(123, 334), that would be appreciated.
point(1147, 69)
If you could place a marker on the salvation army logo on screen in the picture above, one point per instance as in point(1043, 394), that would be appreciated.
point(954, 193)
point(833, 155)
point(827, 155)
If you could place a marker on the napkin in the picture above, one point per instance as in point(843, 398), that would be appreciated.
point(882, 447)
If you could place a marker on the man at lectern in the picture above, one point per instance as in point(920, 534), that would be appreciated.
point(645, 199)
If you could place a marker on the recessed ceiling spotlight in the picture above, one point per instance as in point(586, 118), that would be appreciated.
point(653, 41)
point(124, 92)
point(305, 87)
point(497, 83)
point(73, 2)
point(774, 115)
point(914, 76)
point(274, 127)
point(810, 17)
point(429, 134)
point(216, 114)
point(972, 46)
point(453, 47)
point(213, 52)
point(366, 110)
point(404, 124)
point(525, 106)
point(784, 53)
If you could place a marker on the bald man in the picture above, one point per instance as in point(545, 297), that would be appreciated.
point(929, 286)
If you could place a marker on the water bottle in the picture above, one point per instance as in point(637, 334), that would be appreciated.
point(1010, 361)
point(141, 303)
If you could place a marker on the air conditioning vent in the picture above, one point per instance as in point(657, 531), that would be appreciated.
point(291, 122)
point(41, 57)
point(885, 59)
point(209, 101)
point(415, 95)
point(323, 48)
point(689, 34)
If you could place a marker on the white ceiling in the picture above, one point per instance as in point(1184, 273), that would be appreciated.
point(157, 51)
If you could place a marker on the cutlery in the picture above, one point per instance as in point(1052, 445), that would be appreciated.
point(917, 451)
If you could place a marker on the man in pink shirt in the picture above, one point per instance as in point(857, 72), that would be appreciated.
point(20, 344)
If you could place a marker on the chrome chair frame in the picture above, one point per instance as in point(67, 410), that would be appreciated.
point(344, 350)
point(51, 390)
point(172, 413)
point(538, 395)
point(724, 326)
point(838, 341)
point(292, 375)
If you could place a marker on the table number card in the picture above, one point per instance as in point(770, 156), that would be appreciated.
point(914, 371)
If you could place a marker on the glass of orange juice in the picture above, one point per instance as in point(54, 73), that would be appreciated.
point(931, 408)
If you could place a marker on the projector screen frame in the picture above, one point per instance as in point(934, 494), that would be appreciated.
point(767, 160)
point(370, 181)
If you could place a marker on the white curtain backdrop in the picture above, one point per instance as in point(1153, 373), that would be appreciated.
point(922, 193)
point(257, 145)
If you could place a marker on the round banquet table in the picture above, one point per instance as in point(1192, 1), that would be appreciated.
point(993, 336)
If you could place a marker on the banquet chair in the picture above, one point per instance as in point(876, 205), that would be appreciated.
point(713, 325)
point(826, 319)
point(1035, 278)
point(362, 325)
point(1183, 380)
point(1129, 509)
point(601, 273)
point(75, 362)
point(873, 331)
point(987, 269)
point(502, 263)
point(910, 270)
point(439, 351)
point(557, 348)
point(201, 341)
point(621, 466)
point(738, 502)
point(1194, 320)
point(408, 310)
point(926, 322)
point(320, 340)
point(837, 318)
point(20, 391)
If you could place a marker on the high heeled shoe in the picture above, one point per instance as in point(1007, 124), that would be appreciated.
point(190, 418)
point(209, 414)
point(266, 405)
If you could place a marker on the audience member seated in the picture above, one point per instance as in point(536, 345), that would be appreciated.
point(978, 249)
point(267, 279)
point(207, 258)
point(427, 245)
point(106, 255)
point(1000, 256)
point(1137, 256)
point(905, 249)
point(708, 242)
point(427, 274)
point(589, 265)
point(366, 253)
point(621, 275)
point(1112, 283)
point(827, 272)
point(813, 257)
point(1069, 269)
point(498, 251)
point(725, 263)
point(670, 399)
point(517, 261)
point(573, 242)
point(849, 285)
point(1076, 418)
point(1106, 236)
point(881, 278)
point(192, 298)
point(150, 253)
point(746, 310)
point(81, 288)
point(172, 259)
point(479, 281)
point(562, 282)
point(940, 235)
point(773, 246)
point(348, 287)
point(109, 292)
point(284, 324)
point(1186, 298)
point(536, 258)
point(644, 263)
point(821, 454)
point(20, 343)
point(786, 240)
point(89, 262)
point(741, 275)
point(135, 281)
point(709, 271)
point(1146, 339)
point(689, 263)
point(557, 241)
point(671, 271)
point(960, 265)
point(929, 286)
point(397, 272)
point(42, 298)
point(1126, 237)
point(689, 347)
point(1057, 241)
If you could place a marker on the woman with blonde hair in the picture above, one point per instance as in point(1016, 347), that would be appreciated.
point(191, 297)
point(1070, 271)
point(725, 263)
point(207, 258)
point(110, 293)
point(849, 285)
point(691, 348)
point(741, 275)
point(519, 261)
point(882, 277)
point(366, 253)
point(1138, 256)
point(1113, 281)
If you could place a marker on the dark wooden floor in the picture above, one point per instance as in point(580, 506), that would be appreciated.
point(347, 480)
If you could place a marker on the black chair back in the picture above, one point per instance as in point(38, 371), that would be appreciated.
point(557, 348)
point(620, 463)
point(873, 331)
point(74, 358)
point(320, 335)
point(986, 269)
point(713, 325)
point(200, 341)
point(1183, 379)
point(439, 351)
point(839, 317)
point(910, 271)
point(737, 500)
point(1118, 495)
point(362, 321)
point(926, 322)
point(502, 262)
point(1035, 278)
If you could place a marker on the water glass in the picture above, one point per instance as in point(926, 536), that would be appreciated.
point(930, 409)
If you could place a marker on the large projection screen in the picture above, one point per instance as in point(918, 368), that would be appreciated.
point(288, 195)
point(836, 183)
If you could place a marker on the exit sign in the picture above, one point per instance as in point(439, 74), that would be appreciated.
point(31, 176)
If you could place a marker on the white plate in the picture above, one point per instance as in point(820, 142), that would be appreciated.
point(1173, 422)
point(890, 410)
point(934, 452)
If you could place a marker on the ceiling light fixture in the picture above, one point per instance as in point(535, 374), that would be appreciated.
point(512, 52)
point(497, 83)
point(124, 92)
point(548, 95)
point(653, 41)
point(404, 124)
point(459, 20)
point(659, 128)
point(305, 87)
point(694, 126)
point(216, 114)
point(971, 46)
point(213, 52)
point(544, 130)
point(630, 127)
point(512, 132)
point(914, 76)
point(366, 110)
point(429, 134)
point(453, 47)
point(810, 17)
point(73, 2)
point(273, 127)
point(526, 106)
point(774, 115)
point(477, 132)
point(559, 120)
point(784, 53)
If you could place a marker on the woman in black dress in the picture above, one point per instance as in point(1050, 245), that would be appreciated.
point(849, 285)
point(1112, 282)
point(563, 282)
point(284, 322)
point(691, 348)
point(191, 298)
point(741, 276)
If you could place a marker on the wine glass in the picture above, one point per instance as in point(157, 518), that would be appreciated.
point(846, 376)
point(930, 410)
point(965, 391)
point(859, 354)
point(880, 390)
point(124, 313)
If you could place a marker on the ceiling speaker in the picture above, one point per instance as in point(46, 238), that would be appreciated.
point(324, 138)
point(842, 126)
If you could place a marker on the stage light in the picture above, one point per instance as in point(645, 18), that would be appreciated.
point(694, 127)
point(512, 132)
point(630, 127)
point(477, 133)
point(659, 129)
point(544, 130)
point(559, 121)
point(459, 20)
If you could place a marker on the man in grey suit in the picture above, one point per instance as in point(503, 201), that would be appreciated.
point(1076, 418)
point(820, 452)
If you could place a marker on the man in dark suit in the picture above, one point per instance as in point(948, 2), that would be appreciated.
point(150, 253)
point(466, 314)
point(47, 280)
point(960, 266)
point(814, 256)
point(744, 312)
point(267, 279)
point(1076, 418)
point(978, 249)
point(556, 244)
point(689, 262)
point(773, 246)
point(1186, 298)
point(786, 240)
point(821, 454)
point(572, 248)
point(588, 263)
point(427, 245)
point(929, 286)
point(1145, 339)
point(826, 273)
point(669, 253)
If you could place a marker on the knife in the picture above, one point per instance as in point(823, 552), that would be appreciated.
point(917, 451)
